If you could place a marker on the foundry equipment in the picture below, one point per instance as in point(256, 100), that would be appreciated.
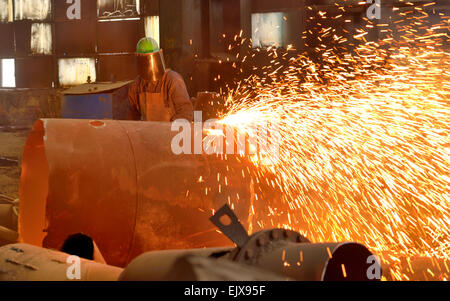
point(120, 183)
point(270, 255)
point(116, 190)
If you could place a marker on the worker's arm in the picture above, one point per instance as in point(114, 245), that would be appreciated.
point(179, 96)
point(133, 100)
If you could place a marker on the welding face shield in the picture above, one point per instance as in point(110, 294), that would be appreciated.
point(150, 60)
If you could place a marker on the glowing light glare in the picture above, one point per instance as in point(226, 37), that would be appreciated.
point(41, 38)
point(8, 73)
point(363, 158)
point(152, 28)
point(76, 71)
point(267, 29)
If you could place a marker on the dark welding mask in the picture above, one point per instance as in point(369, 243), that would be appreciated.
point(150, 60)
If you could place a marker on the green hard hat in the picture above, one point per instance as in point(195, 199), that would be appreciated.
point(147, 45)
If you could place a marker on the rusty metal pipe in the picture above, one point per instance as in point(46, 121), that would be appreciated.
point(190, 267)
point(157, 265)
point(7, 236)
point(8, 216)
point(22, 262)
point(119, 183)
point(319, 262)
point(288, 253)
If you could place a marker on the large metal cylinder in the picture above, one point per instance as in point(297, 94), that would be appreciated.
point(8, 216)
point(119, 183)
point(193, 265)
point(22, 262)
point(157, 265)
point(277, 253)
point(288, 253)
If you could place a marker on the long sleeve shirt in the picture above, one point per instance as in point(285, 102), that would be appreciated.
point(173, 89)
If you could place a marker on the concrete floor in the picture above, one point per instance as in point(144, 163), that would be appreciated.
point(12, 144)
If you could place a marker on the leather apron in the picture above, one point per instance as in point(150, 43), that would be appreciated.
point(155, 106)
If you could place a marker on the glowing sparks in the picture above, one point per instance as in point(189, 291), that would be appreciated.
point(364, 144)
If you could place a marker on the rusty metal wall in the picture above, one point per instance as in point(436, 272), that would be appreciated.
point(117, 67)
point(22, 33)
point(34, 72)
point(23, 107)
point(149, 7)
point(120, 36)
point(84, 40)
point(7, 44)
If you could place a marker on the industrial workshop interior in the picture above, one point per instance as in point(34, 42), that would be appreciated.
point(224, 140)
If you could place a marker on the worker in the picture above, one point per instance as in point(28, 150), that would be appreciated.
point(157, 94)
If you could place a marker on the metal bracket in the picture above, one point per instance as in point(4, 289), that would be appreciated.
point(234, 231)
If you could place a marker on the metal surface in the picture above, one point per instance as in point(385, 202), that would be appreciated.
point(34, 72)
point(197, 268)
point(7, 236)
point(96, 101)
point(95, 88)
point(8, 220)
point(7, 44)
point(119, 183)
point(289, 253)
point(8, 216)
point(157, 265)
point(193, 265)
point(151, 66)
point(233, 229)
point(22, 262)
point(119, 67)
point(69, 41)
point(119, 36)
point(22, 38)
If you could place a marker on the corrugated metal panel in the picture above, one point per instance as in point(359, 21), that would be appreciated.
point(41, 38)
point(120, 36)
point(149, 8)
point(120, 67)
point(22, 31)
point(75, 71)
point(7, 40)
point(34, 72)
point(75, 38)
point(32, 9)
